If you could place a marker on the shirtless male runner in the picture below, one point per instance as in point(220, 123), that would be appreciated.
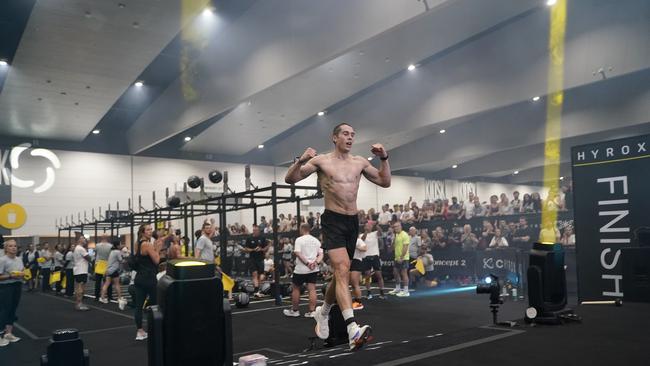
point(339, 174)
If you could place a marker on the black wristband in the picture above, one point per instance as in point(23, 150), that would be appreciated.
point(386, 158)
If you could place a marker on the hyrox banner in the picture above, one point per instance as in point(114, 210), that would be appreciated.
point(611, 200)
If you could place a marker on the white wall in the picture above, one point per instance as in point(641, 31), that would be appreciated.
point(87, 181)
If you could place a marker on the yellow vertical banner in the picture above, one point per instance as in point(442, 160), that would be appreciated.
point(555, 100)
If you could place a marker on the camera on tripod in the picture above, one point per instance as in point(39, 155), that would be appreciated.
point(492, 287)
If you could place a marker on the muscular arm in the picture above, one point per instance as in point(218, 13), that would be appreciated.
point(299, 171)
point(304, 167)
point(381, 176)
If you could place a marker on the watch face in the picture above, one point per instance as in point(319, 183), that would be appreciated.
point(531, 313)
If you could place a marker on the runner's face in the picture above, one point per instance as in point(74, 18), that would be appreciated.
point(344, 139)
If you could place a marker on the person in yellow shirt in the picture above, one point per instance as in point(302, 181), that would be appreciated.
point(401, 266)
point(549, 232)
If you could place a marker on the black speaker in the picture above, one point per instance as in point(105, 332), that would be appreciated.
point(65, 349)
point(192, 323)
point(636, 274)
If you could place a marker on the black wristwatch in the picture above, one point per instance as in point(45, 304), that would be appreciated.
point(386, 158)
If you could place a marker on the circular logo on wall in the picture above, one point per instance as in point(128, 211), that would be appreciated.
point(12, 216)
point(14, 158)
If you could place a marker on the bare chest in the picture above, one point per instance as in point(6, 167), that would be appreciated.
point(340, 171)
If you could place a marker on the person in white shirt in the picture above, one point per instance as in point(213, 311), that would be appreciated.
point(356, 268)
point(309, 256)
point(498, 241)
point(81, 260)
point(385, 216)
point(371, 262)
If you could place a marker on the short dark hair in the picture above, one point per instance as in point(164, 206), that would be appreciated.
point(337, 128)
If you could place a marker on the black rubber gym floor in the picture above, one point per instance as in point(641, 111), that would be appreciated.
point(424, 329)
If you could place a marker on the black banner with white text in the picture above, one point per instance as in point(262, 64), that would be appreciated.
point(611, 200)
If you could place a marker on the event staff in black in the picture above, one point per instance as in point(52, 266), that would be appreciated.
point(256, 246)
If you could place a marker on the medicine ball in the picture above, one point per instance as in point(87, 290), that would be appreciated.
point(287, 288)
point(194, 182)
point(125, 278)
point(173, 201)
point(242, 300)
point(249, 287)
point(265, 289)
point(215, 176)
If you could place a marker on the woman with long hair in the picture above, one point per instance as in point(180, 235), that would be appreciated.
point(147, 260)
point(537, 202)
point(527, 204)
point(58, 259)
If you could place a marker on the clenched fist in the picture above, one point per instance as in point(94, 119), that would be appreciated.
point(307, 155)
point(379, 151)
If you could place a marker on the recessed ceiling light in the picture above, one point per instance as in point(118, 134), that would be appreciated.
point(188, 138)
point(411, 67)
point(370, 158)
point(139, 84)
point(551, 2)
point(321, 113)
point(454, 166)
point(516, 172)
point(260, 146)
point(443, 131)
point(96, 132)
point(561, 178)
point(535, 98)
point(3, 63)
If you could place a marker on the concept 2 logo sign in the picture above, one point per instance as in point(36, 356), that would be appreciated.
point(10, 175)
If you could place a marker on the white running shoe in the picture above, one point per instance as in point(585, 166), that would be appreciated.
point(394, 291)
point(4, 342)
point(359, 336)
point(121, 303)
point(103, 300)
point(141, 336)
point(291, 313)
point(322, 324)
point(309, 314)
point(403, 294)
point(11, 338)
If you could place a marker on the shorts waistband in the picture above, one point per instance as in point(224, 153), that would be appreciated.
point(334, 213)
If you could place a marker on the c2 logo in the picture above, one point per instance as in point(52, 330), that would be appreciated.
point(14, 158)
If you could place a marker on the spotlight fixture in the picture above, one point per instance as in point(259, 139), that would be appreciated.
point(535, 98)
point(551, 2)
point(260, 146)
point(443, 131)
point(411, 67)
point(208, 11)
point(139, 84)
point(188, 138)
point(516, 172)
point(454, 166)
point(96, 132)
point(321, 113)
point(3, 62)
point(561, 178)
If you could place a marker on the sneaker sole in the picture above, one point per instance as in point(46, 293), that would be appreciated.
point(365, 338)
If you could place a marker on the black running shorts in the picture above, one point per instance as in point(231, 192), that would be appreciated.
point(339, 231)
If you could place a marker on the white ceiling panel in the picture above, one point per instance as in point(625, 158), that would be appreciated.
point(285, 104)
point(76, 58)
